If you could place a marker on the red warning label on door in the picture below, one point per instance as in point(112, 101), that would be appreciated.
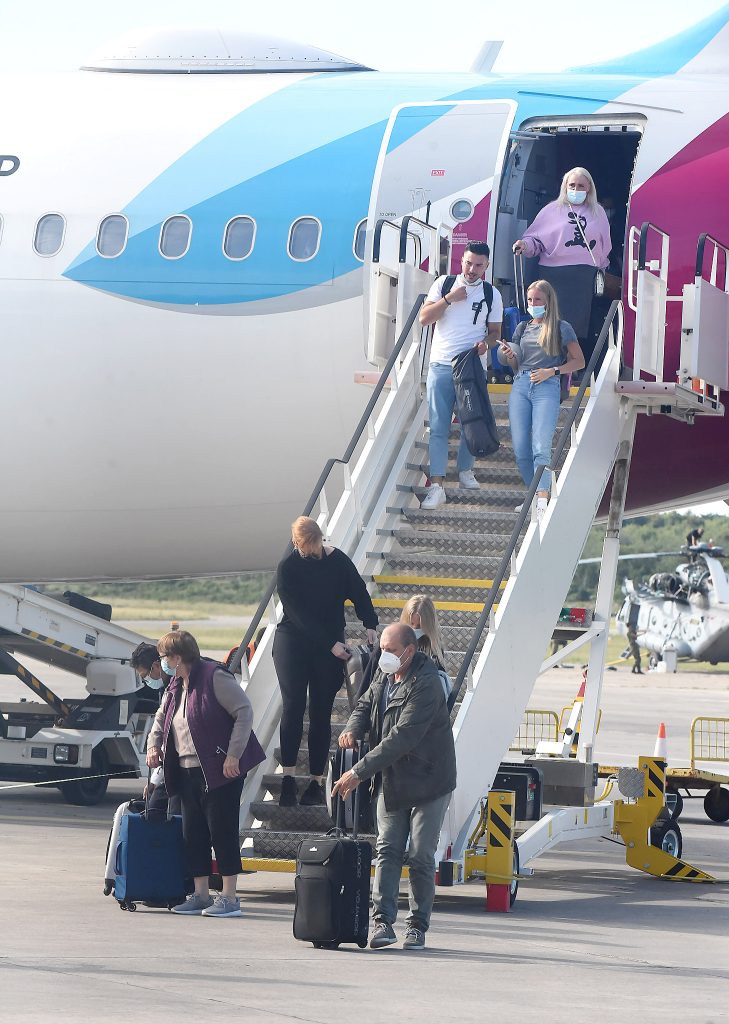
point(437, 173)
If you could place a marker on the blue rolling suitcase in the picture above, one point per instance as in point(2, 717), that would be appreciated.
point(149, 861)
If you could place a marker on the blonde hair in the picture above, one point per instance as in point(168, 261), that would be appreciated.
point(305, 532)
point(181, 643)
point(590, 201)
point(550, 336)
point(423, 606)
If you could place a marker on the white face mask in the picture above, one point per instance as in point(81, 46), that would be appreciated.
point(154, 684)
point(389, 662)
point(418, 633)
point(576, 197)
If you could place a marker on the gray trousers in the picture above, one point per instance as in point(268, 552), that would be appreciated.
point(422, 824)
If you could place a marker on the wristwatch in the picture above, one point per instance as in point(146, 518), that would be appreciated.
point(556, 371)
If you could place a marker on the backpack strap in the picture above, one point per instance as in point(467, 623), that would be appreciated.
point(488, 298)
point(448, 283)
point(518, 331)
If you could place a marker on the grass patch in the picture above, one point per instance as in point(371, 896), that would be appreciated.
point(177, 611)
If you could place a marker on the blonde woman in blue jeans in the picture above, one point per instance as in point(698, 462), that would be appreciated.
point(542, 349)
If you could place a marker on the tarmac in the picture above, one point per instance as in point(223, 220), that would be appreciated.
point(588, 938)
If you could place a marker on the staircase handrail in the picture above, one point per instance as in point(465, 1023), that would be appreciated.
point(505, 564)
point(237, 660)
point(705, 237)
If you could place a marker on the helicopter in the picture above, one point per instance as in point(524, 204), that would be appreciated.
point(682, 614)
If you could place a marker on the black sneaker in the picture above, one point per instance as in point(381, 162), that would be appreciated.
point(313, 795)
point(288, 792)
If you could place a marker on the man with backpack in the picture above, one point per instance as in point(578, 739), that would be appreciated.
point(467, 312)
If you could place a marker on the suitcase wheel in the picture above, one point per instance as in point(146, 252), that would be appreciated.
point(325, 945)
point(362, 943)
point(131, 906)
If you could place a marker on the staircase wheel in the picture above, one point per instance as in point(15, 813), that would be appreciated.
point(514, 887)
point(666, 835)
point(716, 803)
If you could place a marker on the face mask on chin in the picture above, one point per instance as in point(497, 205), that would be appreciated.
point(419, 633)
point(154, 684)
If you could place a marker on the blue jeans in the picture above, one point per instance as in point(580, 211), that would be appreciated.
point(422, 824)
point(533, 413)
point(441, 393)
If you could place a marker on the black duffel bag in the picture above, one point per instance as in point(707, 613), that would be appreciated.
point(473, 405)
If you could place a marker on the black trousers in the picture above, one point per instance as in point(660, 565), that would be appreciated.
point(210, 819)
point(301, 667)
point(159, 801)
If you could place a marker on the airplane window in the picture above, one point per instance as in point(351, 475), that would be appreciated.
point(462, 209)
point(111, 238)
point(174, 238)
point(49, 232)
point(360, 233)
point(240, 233)
point(304, 238)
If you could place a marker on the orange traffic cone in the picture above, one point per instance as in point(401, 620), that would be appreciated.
point(661, 747)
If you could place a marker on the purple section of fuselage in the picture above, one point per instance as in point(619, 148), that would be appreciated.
point(684, 198)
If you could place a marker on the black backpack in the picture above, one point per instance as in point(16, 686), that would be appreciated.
point(488, 296)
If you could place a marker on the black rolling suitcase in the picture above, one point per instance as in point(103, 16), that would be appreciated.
point(333, 888)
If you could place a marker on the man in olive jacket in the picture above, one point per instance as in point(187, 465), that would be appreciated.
point(412, 761)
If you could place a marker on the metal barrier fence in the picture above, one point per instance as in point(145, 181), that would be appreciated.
point(536, 726)
point(709, 739)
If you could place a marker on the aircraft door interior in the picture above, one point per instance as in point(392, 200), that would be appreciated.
point(540, 153)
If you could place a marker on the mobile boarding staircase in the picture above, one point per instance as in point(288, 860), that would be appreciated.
point(499, 578)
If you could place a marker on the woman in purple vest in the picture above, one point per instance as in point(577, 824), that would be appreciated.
point(202, 735)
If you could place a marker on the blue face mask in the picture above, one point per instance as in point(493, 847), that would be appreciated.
point(154, 684)
point(167, 668)
point(535, 312)
point(576, 197)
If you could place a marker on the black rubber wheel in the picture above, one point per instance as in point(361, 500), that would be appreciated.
point(132, 907)
point(677, 809)
point(318, 945)
point(514, 887)
point(666, 835)
point(122, 905)
point(362, 943)
point(87, 792)
point(716, 803)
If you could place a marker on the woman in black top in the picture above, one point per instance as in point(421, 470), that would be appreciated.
point(313, 583)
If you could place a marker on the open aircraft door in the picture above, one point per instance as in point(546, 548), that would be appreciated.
point(432, 156)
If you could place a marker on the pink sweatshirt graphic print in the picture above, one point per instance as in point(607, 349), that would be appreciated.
point(555, 237)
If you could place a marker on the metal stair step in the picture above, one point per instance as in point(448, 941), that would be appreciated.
point(503, 498)
point(457, 542)
point(503, 457)
point(434, 564)
point(499, 476)
point(444, 589)
point(280, 845)
point(292, 819)
point(449, 613)
point(458, 516)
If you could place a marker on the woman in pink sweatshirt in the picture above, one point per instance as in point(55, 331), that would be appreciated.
point(571, 237)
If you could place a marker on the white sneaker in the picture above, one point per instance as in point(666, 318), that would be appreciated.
point(436, 496)
point(468, 480)
point(519, 507)
point(541, 508)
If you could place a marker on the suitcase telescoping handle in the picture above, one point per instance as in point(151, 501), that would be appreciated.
point(341, 821)
point(519, 288)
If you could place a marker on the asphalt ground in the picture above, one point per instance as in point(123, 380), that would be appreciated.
point(588, 938)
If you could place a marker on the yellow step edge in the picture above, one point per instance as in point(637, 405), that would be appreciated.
point(437, 581)
point(505, 389)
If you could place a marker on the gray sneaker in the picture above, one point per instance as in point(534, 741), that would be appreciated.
point(414, 939)
point(383, 935)
point(194, 904)
point(224, 906)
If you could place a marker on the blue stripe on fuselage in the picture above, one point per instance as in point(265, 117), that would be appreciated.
point(331, 181)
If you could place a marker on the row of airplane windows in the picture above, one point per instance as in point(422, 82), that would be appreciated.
point(239, 237)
